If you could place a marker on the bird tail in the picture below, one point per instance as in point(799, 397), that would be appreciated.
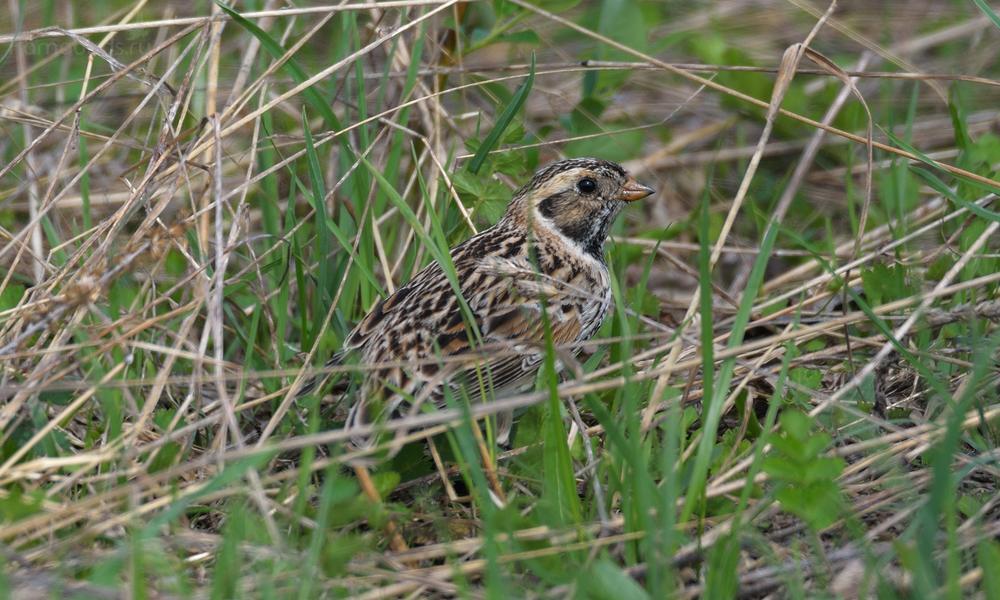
point(317, 381)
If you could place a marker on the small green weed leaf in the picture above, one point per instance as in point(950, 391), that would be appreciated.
point(805, 377)
point(805, 480)
point(779, 469)
point(884, 283)
point(988, 554)
point(985, 150)
point(165, 457)
point(796, 425)
point(10, 296)
point(385, 482)
point(16, 505)
point(487, 196)
point(968, 504)
point(818, 504)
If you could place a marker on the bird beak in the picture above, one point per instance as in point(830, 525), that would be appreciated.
point(634, 190)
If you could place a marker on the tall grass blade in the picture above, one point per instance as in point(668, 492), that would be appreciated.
point(508, 114)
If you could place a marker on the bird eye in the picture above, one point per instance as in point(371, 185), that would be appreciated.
point(586, 185)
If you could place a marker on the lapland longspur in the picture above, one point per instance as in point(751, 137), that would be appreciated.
point(545, 253)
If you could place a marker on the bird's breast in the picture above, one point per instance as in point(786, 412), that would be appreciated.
point(585, 284)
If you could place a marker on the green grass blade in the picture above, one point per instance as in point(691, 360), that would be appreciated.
point(988, 11)
point(719, 389)
point(695, 488)
point(994, 189)
point(229, 475)
point(878, 322)
point(437, 247)
point(291, 66)
point(943, 189)
point(559, 485)
point(508, 114)
point(317, 194)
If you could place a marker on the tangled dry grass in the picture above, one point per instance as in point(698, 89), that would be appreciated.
point(195, 207)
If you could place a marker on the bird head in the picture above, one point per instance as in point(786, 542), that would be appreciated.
point(578, 198)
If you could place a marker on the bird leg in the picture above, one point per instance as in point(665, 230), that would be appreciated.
point(396, 541)
point(443, 473)
point(488, 468)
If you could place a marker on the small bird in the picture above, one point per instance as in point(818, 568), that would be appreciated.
point(545, 253)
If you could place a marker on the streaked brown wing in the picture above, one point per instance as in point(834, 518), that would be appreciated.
point(505, 304)
point(516, 336)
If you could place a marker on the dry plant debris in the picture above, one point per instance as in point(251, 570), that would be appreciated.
point(798, 393)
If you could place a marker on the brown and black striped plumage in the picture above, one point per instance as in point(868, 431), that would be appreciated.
point(545, 253)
